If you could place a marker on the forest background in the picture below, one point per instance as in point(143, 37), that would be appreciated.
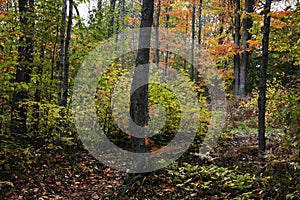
point(255, 46)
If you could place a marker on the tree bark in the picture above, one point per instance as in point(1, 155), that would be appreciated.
point(263, 79)
point(67, 55)
point(193, 42)
point(166, 58)
point(62, 55)
point(112, 19)
point(61, 67)
point(122, 16)
point(237, 38)
point(139, 97)
point(200, 23)
point(247, 24)
point(156, 33)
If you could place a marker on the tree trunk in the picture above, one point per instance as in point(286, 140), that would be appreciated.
point(193, 42)
point(61, 66)
point(139, 97)
point(67, 55)
point(112, 19)
point(156, 33)
point(263, 79)
point(199, 35)
point(185, 42)
point(62, 55)
point(237, 38)
point(23, 71)
point(166, 58)
point(200, 23)
point(122, 15)
point(247, 24)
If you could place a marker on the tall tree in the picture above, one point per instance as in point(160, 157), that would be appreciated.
point(139, 97)
point(122, 16)
point(24, 68)
point(237, 38)
point(67, 54)
point(247, 24)
point(63, 64)
point(166, 58)
point(193, 41)
point(156, 33)
point(200, 24)
point(112, 18)
point(263, 78)
point(62, 55)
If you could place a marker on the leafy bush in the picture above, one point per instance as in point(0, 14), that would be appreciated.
point(161, 99)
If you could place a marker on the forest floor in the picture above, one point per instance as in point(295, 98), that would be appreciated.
point(232, 171)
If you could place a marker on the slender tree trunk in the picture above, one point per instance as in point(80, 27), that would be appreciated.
point(199, 34)
point(263, 79)
point(193, 42)
point(139, 97)
point(112, 19)
point(53, 62)
point(200, 23)
point(62, 55)
point(156, 33)
point(117, 19)
point(237, 38)
point(67, 54)
point(247, 24)
point(221, 18)
point(122, 15)
point(166, 58)
point(186, 33)
point(61, 66)
point(23, 71)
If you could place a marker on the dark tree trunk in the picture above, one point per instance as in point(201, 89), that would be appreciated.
point(200, 23)
point(156, 33)
point(122, 15)
point(237, 38)
point(247, 24)
point(193, 42)
point(199, 35)
point(23, 71)
point(112, 19)
point(263, 79)
point(53, 62)
point(166, 58)
point(139, 97)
